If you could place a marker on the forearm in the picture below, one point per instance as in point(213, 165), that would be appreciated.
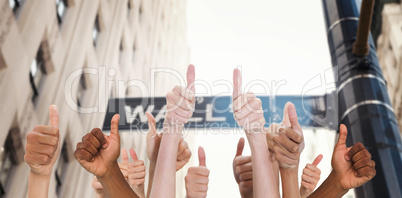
point(329, 188)
point(165, 172)
point(100, 195)
point(151, 174)
point(275, 169)
point(38, 185)
point(115, 185)
point(290, 182)
point(263, 176)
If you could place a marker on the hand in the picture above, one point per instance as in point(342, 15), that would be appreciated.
point(289, 143)
point(352, 166)
point(310, 177)
point(273, 129)
point(180, 102)
point(247, 109)
point(243, 171)
point(136, 173)
point(42, 147)
point(197, 178)
point(154, 140)
point(97, 153)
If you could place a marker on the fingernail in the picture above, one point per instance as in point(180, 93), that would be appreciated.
point(104, 145)
point(92, 159)
point(281, 129)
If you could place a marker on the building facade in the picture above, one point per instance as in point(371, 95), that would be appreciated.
point(77, 54)
point(389, 49)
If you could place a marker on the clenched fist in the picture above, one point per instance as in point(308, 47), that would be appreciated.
point(43, 148)
point(352, 166)
point(247, 108)
point(97, 153)
point(180, 102)
point(243, 171)
point(310, 177)
point(154, 141)
point(197, 178)
point(289, 142)
point(136, 173)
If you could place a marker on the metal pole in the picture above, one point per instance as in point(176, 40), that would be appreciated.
point(363, 102)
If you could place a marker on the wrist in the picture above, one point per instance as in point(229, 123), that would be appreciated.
point(38, 176)
point(335, 180)
point(111, 171)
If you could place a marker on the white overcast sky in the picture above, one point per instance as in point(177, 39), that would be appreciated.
point(271, 41)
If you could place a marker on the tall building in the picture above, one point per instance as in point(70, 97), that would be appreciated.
point(389, 48)
point(77, 54)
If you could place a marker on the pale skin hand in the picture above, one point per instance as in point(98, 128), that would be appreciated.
point(98, 154)
point(310, 177)
point(247, 110)
point(288, 145)
point(352, 167)
point(243, 171)
point(136, 174)
point(197, 178)
point(180, 107)
point(42, 151)
point(153, 143)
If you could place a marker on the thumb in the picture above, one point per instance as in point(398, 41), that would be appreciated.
point(293, 118)
point(318, 160)
point(201, 156)
point(151, 124)
point(343, 134)
point(236, 84)
point(53, 116)
point(285, 120)
point(124, 156)
point(240, 147)
point(133, 155)
point(191, 78)
point(114, 127)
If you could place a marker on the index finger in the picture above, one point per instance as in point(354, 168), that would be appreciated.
point(53, 116)
point(236, 84)
point(191, 78)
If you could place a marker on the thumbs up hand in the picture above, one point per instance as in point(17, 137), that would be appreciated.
point(310, 177)
point(197, 178)
point(289, 142)
point(154, 141)
point(43, 147)
point(181, 102)
point(97, 152)
point(136, 174)
point(247, 108)
point(243, 171)
point(352, 166)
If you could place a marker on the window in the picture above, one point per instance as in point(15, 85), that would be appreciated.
point(61, 169)
point(15, 6)
point(96, 30)
point(37, 74)
point(81, 90)
point(61, 6)
point(8, 162)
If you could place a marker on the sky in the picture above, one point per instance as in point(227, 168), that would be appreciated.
point(277, 42)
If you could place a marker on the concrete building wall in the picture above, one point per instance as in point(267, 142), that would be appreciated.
point(390, 54)
point(134, 36)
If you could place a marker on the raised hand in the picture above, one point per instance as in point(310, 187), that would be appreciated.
point(181, 102)
point(243, 171)
point(97, 152)
point(154, 140)
point(97, 186)
point(136, 174)
point(310, 177)
point(197, 178)
point(289, 142)
point(247, 109)
point(43, 148)
point(352, 166)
